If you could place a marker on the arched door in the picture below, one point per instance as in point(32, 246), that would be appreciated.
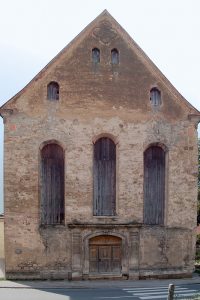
point(105, 254)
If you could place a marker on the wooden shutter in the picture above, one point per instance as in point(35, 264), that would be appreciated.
point(95, 55)
point(52, 184)
point(53, 91)
point(155, 97)
point(104, 177)
point(114, 57)
point(154, 185)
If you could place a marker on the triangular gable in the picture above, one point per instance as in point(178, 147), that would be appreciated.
point(105, 16)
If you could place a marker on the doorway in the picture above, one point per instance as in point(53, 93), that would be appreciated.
point(105, 254)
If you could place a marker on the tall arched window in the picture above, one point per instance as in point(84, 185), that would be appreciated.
point(95, 55)
point(104, 177)
point(52, 184)
point(53, 91)
point(154, 185)
point(114, 56)
point(155, 97)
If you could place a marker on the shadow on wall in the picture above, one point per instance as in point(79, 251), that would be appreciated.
point(2, 259)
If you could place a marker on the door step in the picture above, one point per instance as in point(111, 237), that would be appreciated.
point(107, 276)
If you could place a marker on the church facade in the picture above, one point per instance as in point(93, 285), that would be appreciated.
point(100, 166)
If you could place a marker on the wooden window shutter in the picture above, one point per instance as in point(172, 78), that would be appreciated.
point(154, 185)
point(114, 56)
point(104, 177)
point(53, 91)
point(52, 184)
point(155, 97)
point(95, 55)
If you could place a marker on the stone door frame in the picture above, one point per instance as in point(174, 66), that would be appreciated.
point(124, 254)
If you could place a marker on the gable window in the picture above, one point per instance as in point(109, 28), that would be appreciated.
point(114, 56)
point(53, 91)
point(52, 184)
point(95, 55)
point(154, 185)
point(104, 180)
point(155, 97)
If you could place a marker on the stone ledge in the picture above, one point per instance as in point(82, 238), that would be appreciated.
point(97, 225)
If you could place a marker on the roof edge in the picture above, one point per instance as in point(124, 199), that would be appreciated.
point(140, 53)
point(81, 35)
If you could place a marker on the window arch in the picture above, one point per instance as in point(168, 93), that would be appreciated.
point(155, 97)
point(154, 185)
point(114, 56)
point(95, 55)
point(53, 91)
point(52, 184)
point(104, 174)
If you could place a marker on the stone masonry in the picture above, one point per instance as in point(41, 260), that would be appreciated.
point(2, 254)
point(96, 101)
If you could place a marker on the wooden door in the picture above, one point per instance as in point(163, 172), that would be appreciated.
point(154, 185)
point(93, 257)
point(105, 254)
point(116, 259)
point(104, 259)
point(104, 177)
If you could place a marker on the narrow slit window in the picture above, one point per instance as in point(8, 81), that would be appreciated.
point(155, 97)
point(114, 56)
point(53, 91)
point(95, 55)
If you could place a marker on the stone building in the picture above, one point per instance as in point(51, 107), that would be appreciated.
point(2, 255)
point(100, 166)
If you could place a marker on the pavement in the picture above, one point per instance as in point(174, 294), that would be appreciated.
point(95, 284)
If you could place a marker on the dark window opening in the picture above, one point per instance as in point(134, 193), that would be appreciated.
point(53, 91)
point(95, 55)
point(114, 56)
point(154, 185)
point(52, 184)
point(155, 97)
point(104, 177)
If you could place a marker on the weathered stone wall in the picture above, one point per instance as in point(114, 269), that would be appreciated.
point(166, 251)
point(2, 254)
point(1, 237)
point(97, 101)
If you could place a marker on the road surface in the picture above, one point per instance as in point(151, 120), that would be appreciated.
point(137, 293)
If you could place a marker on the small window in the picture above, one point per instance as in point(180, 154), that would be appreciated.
point(95, 55)
point(114, 56)
point(53, 91)
point(155, 97)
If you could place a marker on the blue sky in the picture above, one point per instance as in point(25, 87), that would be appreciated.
point(32, 32)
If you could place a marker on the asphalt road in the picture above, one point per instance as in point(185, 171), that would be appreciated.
point(154, 293)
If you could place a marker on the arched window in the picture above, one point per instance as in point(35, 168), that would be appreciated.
point(154, 185)
point(53, 91)
point(114, 56)
point(52, 184)
point(104, 177)
point(155, 97)
point(95, 55)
